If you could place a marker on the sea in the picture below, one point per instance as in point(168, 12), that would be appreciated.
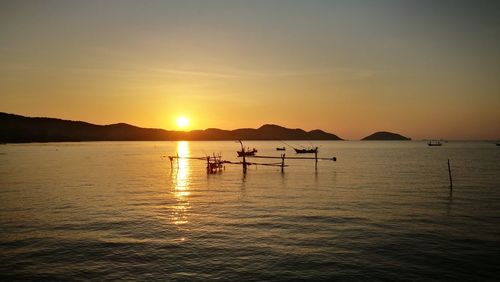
point(383, 211)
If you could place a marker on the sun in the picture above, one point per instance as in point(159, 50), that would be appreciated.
point(182, 122)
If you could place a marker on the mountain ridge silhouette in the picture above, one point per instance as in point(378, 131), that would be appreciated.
point(21, 129)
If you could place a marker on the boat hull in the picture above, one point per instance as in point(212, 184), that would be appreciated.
point(246, 153)
point(306, 151)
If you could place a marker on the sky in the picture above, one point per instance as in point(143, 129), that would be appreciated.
point(424, 69)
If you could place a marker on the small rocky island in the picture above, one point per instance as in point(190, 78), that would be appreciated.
point(385, 136)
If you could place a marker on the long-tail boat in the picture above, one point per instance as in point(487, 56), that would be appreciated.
point(306, 150)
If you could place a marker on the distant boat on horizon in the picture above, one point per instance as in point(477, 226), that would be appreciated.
point(434, 143)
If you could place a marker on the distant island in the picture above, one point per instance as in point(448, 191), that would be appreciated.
point(385, 136)
point(21, 129)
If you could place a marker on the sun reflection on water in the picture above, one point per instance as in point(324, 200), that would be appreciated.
point(181, 183)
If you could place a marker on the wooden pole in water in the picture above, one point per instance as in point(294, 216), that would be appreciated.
point(244, 163)
point(316, 159)
point(449, 174)
point(244, 160)
point(282, 162)
point(208, 164)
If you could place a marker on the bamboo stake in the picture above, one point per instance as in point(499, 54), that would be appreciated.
point(208, 164)
point(244, 163)
point(282, 162)
point(316, 159)
point(449, 174)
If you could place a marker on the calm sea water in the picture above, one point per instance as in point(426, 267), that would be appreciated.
point(117, 210)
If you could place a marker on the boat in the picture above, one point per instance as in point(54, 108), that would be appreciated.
point(247, 152)
point(281, 149)
point(306, 150)
point(434, 143)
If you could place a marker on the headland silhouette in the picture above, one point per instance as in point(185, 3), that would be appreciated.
point(21, 129)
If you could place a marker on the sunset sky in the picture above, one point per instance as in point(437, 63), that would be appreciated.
point(425, 69)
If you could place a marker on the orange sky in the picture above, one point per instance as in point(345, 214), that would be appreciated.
point(423, 69)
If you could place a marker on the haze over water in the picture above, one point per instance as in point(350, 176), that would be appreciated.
point(117, 210)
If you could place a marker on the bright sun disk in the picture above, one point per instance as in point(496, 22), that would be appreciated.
point(182, 122)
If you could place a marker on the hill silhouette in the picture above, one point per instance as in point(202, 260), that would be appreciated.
point(386, 136)
point(21, 129)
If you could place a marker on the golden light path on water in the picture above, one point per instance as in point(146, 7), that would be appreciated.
point(181, 181)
